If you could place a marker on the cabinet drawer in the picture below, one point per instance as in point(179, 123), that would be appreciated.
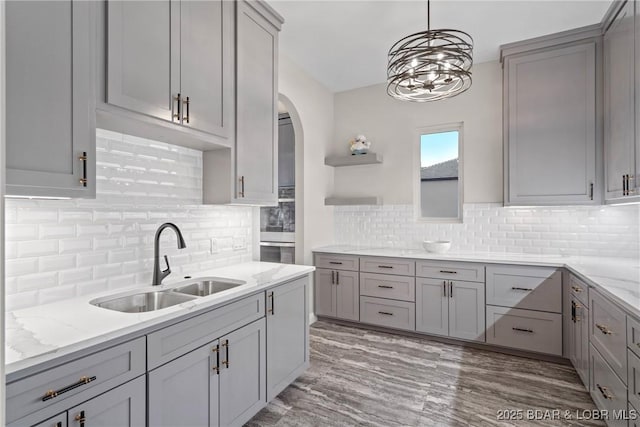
point(174, 341)
point(525, 329)
point(89, 375)
point(528, 288)
point(387, 286)
point(633, 335)
point(607, 391)
point(579, 289)
point(337, 262)
point(388, 266)
point(608, 332)
point(451, 271)
point(392, 314)
point(633, 378)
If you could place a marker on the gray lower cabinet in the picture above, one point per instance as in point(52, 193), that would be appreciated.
point(242, 374)
point(222, 383)
point(184, 392)
point(287, 335)
point(451, 308)
point(50, 98)
point(337, 294)
point(124, 406)
point(607, 390)
point(578, 336)
point(554, 130)
point(608, 332)
point(57, 421)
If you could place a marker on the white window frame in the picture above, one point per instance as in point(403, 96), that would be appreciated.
point(417, 202)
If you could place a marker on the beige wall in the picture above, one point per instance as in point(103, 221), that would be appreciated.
point(391, 126)
point(311, 108)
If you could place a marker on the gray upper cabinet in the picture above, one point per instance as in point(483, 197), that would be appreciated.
point(257, 111)
point(206, 65)
point(143, 56)
point(50, 98)
point(287, 335)
point(620, 93)
point(551, 128)
point(169, 71)
point(247, 171)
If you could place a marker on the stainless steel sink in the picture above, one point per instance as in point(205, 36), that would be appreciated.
point(143, 302)
point(202, 288)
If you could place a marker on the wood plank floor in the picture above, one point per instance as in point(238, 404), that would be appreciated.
point(362, 377)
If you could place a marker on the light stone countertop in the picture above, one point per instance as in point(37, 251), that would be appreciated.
point(618, 278)
point(40, 334)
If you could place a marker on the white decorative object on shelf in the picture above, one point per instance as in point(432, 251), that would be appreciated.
point(359, 145)
point(437, 246)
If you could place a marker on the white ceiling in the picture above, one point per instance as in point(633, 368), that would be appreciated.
point(344, 44)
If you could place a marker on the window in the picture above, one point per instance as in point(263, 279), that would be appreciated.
point(438, 196)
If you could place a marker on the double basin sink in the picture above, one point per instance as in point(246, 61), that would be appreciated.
point(141, 302)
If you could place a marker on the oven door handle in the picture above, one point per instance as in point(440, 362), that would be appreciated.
point(278, 244)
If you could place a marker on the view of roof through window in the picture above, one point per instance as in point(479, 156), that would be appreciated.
point(439, 155)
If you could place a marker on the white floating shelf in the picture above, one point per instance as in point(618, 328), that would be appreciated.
point(352, 201)
point(353, 160)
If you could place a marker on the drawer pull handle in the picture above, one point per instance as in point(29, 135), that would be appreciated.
point(385, 266)
point(577, 289)
point(530, 331)
point(604, 329)
point(521, 289)
point(605, 392)
point(386, 313)
point(385, 286)
point(448, 272)
point(55, 393)
point(335, 262)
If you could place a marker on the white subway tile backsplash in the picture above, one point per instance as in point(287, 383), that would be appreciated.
point(612, 231)
point(56, 249)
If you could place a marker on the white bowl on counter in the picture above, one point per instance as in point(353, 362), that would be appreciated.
point(437, 246)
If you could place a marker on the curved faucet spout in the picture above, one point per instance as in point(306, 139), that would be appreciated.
point(158, 273)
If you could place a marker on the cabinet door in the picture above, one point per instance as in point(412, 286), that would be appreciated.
point(57, 421)
point(124, 406)
point(619, 117)
point(50, 98)
point(466, 311)
point(432, 306)
point(242, 374)
point(287, 335)
point(579, 340)
point(325, 292)
point(143, 56)
point(206, 65)
point(636, 179)
point(184, 392)
point(551, 130)
point(256, 108)
point(347, 295)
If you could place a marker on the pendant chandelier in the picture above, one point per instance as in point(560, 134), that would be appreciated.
point(430, 65)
